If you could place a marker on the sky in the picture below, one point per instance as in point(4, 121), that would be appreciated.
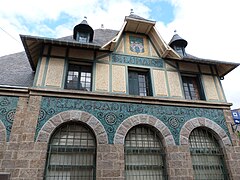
point(211, 27)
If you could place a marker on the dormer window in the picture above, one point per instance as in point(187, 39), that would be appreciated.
point(178, 44)
point(83, 37)
point(180, 50)
point(83, 33)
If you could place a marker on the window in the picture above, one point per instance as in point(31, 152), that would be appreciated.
point(180, 50)
point(79, 77)
point(71, 153)
point(207, 156)
point(139, 82)
point(191, 88)
point(83, 37)
point(144, 155)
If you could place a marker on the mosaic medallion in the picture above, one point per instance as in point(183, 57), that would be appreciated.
point(136, 44)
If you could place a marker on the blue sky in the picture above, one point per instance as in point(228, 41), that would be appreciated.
point(210, 27)
point(161, 11)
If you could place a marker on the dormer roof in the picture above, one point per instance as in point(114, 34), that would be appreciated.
point(136, 24)
point(178, 41)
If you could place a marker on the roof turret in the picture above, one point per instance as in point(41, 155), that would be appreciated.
point(84, 28)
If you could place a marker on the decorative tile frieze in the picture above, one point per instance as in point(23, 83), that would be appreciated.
point(135, 60)
point(8, 107)
point(112, 114)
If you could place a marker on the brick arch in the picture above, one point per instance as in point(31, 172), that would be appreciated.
point(127, 124)
point(73, 115)
point(2, 132)
point(191, 124)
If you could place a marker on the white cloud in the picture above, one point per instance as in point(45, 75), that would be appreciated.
point(210, 27)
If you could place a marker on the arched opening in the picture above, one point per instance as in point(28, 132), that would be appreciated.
point(71, 153)
point(144, 154)
point(207, 156)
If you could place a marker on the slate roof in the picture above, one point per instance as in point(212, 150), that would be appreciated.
point(15, 70)
point(136, 17)
point(100, 37)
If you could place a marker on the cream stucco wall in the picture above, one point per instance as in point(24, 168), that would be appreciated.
point(41, 71)
point(160, 83)
point(220, 90)
point(118, 79)
point(55, 71)
point(210, 88)
point(174, 84)
point(152, 50)
point(120, 48)
point(102, 77)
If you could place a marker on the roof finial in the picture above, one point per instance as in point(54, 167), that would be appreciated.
point(85, 17)
point(131, 11)
point(175, 31)
point(102, 26)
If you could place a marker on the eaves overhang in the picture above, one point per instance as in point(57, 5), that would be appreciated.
point(222, 67)
point(33, 46)
point(138, 25)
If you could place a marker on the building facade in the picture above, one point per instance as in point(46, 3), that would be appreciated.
point(104, 104)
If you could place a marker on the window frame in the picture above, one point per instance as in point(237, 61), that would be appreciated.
point(147, 85)
point(72, 150)
point(83, 37)
point(200, 92)
point(80, 65)
point(180, 50)
point(153, 149)
point(211, 151)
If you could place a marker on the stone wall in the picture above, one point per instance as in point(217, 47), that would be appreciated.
point(24, 155)
point(21, 156)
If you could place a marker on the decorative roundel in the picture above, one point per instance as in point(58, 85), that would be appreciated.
point(10, 116)
point(110, 118)
point(173, 121)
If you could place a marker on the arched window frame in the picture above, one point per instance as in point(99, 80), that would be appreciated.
point(148, 158)
point(75, 150)
point(207, 155)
